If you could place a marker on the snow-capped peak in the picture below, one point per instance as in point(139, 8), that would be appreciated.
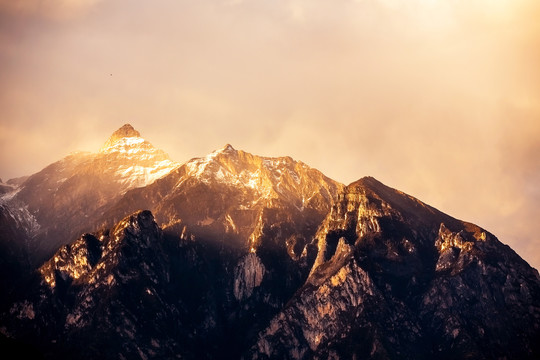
point(132, 160)
point(124, 132)
point(125, 145)
point(269, 177)
point(226, 149)
point(136, 161)
point(126, 140)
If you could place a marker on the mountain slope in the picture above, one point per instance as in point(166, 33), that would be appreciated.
point(234, 255)
point(395, 278)
point(258, 214)
point(226, 193)
point(68, 196)
point(242, 203)
point(16, 228)
point(244, 223)
point(392, 278)
point(104, 296)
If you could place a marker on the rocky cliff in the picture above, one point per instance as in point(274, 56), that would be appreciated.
point(395, 278)
point(238, 256)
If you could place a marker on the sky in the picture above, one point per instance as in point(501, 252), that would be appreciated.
point(437, 98)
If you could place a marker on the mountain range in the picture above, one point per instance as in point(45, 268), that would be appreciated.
point(126, 254)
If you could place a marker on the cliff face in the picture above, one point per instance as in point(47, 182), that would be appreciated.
point(260, 214)
point(103, 296)
point(248, 275)
point(234, 196)
point(395, 278)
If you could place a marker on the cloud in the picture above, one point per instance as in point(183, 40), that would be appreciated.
point(49, 9)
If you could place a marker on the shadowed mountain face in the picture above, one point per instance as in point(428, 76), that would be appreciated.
point(240, 256)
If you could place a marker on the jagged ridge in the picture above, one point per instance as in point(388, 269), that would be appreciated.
point(257, 257)
point(395, 278)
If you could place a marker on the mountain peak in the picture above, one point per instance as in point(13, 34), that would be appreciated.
point(227, 148)
point(134, 161)
point(126, 131)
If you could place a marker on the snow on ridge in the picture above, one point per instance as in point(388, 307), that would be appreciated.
point(148, 163)
point(22, 216)
point(4, 198)
point(225, 166)
point(130, 145)
point(139, 175)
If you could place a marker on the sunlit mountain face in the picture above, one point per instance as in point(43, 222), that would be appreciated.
point(126, 254)
point(65, 198)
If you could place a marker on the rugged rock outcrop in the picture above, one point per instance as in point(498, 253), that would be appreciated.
point(395, 278)
point(242, 256)
point(234, 196)
point(243, 204)
point(248, 275)
point(102, 296)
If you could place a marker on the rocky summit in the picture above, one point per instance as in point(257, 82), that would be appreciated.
point(238, 256)
point(126, 131)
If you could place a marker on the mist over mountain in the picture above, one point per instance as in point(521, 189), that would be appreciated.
point(59, 202)
point(126, 254)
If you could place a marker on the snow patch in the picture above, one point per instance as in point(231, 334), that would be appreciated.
point(22, 216)
point(139, 175)
point(266, 178)
point(4, 198)
point(128, 145)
